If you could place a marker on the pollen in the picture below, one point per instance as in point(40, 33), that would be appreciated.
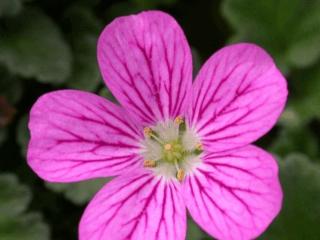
point(149, 163)
point(147, 131)
point(180, 175)
point(167, 147)
point(199, 147)
point(178, 120)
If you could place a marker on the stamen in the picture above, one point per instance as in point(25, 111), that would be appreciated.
point(151, 134)
point(178, 120)
point(167, 147)
point(176, 164)
point(198, 148)
point(149, 163)
point(147, 131)
point(172, 148)
point(181, 123)
point(180, 175)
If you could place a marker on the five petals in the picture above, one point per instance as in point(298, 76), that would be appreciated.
point(146, 62)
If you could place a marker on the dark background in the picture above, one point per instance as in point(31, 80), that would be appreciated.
point(51, 44)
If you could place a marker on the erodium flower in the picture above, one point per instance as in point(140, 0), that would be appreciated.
point(174, 145)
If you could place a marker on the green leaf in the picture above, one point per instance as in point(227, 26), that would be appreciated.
point(14, 197)
point(295, 139)
point(80, 20)
point(83, 28)
point(123, 9)
point(27, 227)
point(15, 224)
point(288, 29)
point(10, 86)
point(300, 214)
point(305, 97)
point(79, 193)
point(105, 92)
point(31, 45)
point(86, 75)
point(194, 232)
point(290, 117)
point(10, 7)
point(23, 135)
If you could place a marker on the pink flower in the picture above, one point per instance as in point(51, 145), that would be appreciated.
point(174, 145)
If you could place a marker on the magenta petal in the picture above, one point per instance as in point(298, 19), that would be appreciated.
point(136, 206)
point(77, 135)
point(146, 62)
point(235, 194)
point(238, 96)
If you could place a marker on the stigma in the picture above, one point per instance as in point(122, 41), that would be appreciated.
point(171, 149)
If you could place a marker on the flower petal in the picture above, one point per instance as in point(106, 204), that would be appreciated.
point(77, 135)
point(238, 96)
point(146, 62)
point(235, 194)
point(136, 206)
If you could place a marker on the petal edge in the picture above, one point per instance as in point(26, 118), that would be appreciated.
point(147, 55)
point(136, 206)
point(77, 135)
point(238, 96)
point(236, 194)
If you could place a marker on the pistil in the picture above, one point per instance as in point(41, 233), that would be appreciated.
point(167, 149)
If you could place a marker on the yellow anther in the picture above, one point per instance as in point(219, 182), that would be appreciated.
point(178, 120)
point(180, 175)
point(149, 163)
point(199, 147)
point(167, 147)
point(147, 131)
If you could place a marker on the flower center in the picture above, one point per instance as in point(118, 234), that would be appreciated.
point(173, 152)
point(171, 149)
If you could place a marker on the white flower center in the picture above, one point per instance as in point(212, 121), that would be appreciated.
point(171, 149)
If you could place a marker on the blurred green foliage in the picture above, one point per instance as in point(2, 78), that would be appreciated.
point(83, 28)
point(295, 140)
point(289, 29)
point(32, 46)
point(47, 45)
point(10, 7)
point(305, 102)
point(300, 215)
point(80, 192)
point(15, 222)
